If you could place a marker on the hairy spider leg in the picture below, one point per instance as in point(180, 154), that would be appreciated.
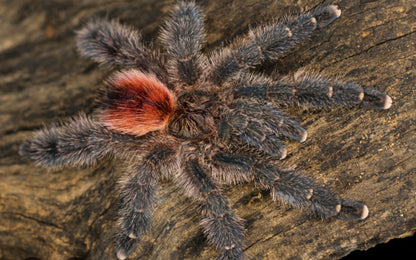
point(221, 225)
point(183, 35)
point(115, 45)
point(288, 186)
point(79, 142)
point(309, 90)
point(267, 42)
point(138, 196)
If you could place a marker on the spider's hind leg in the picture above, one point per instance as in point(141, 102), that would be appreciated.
point(289, 186)
point(221, 225)
point(138, 197)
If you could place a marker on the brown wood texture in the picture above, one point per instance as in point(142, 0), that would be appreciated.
point(364, 155)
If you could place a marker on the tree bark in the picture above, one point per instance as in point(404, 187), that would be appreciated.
point(364, 155)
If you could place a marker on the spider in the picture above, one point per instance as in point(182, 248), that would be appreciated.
point(200, 121)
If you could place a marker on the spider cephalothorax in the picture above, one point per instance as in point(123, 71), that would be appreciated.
point(200, 120)
point(194, 117)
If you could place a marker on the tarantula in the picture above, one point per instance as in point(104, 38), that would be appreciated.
point(200, 120)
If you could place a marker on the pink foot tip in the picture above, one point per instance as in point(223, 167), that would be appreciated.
point(364, 213)
point(387, 102)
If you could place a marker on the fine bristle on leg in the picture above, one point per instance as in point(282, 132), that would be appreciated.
point(231, 168)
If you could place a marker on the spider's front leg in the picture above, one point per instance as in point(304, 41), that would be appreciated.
point(221, 225)
point(183, 35)
point(138, 197)
point(268, 42)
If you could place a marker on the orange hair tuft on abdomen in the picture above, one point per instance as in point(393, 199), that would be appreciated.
point(136, 103)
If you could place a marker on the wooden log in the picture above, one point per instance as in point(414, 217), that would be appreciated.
point(365, 155)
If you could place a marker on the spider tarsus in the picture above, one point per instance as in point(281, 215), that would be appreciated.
point(121, 254)
point(353, 210)
point(232, 254)
point(326, 15)
point(338, 208)
point(126, 247)
point(289, 32)
point(43, 148)
point(334, 10)
point(375, 99)
point(132, 236)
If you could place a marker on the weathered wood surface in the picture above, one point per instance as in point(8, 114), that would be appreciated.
point(368, 156)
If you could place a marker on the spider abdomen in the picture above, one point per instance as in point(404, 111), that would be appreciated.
point(136, 103)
